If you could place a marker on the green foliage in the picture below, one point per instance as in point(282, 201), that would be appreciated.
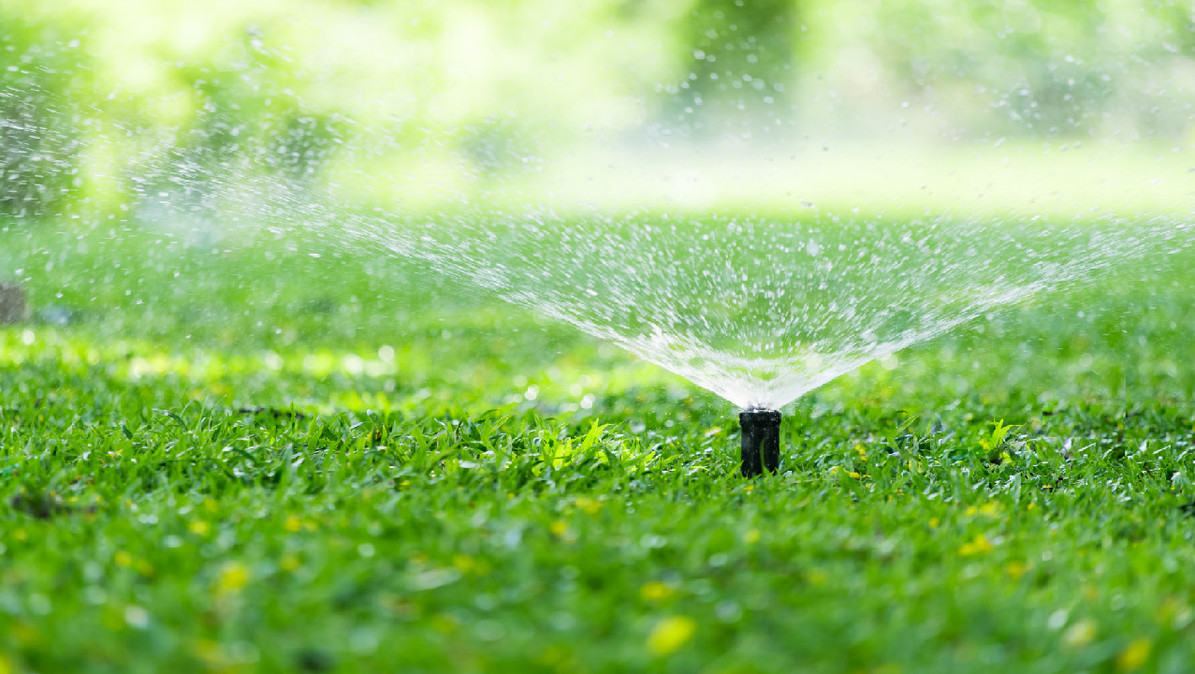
point(1017, 68)
point(739, 59)
point(247, 107)
point(42, 63)
point(109, 105)
point(248, 123)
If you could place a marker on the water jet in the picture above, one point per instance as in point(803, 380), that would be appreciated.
point(761, 441)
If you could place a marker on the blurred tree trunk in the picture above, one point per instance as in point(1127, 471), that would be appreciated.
point(12, 304)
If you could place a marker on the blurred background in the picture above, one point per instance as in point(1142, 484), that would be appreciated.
point(1024, 105)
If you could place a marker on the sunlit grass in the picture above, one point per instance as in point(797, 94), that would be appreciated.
point(408, 479)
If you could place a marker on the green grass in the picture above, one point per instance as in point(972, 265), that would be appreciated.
point(279, 463)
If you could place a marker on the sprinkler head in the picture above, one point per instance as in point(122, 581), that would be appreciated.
point(761, 441)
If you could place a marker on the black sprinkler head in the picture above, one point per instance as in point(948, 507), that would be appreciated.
point(761, 441)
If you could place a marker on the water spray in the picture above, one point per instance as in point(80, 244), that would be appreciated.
point(761, 441)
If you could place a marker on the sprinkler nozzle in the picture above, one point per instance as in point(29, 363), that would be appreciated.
point(761, 441)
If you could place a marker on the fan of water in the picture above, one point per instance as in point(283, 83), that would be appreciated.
point(758, 308)
point(761, 310)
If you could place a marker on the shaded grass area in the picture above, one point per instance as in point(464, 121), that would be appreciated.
point(282, 463)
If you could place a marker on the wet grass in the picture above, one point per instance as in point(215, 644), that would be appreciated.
point(280, 463)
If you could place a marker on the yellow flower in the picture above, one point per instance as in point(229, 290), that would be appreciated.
point(467, 564)
point(670, 634)
point(210, 653)
point(1017, 569)
point(1173, 611)
point(976, 546)
point(656, 591)
point(199, 528)
point(1079, 634)
point(26, 635)
point(233, 578)
point(934, 522)
point(1134, 655)
point(558, 528)
point(293, 524)
point(752, 536)
point(123, 558)
point(445, 623)
point(588, 505)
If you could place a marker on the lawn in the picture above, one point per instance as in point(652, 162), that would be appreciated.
point(221, 458)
